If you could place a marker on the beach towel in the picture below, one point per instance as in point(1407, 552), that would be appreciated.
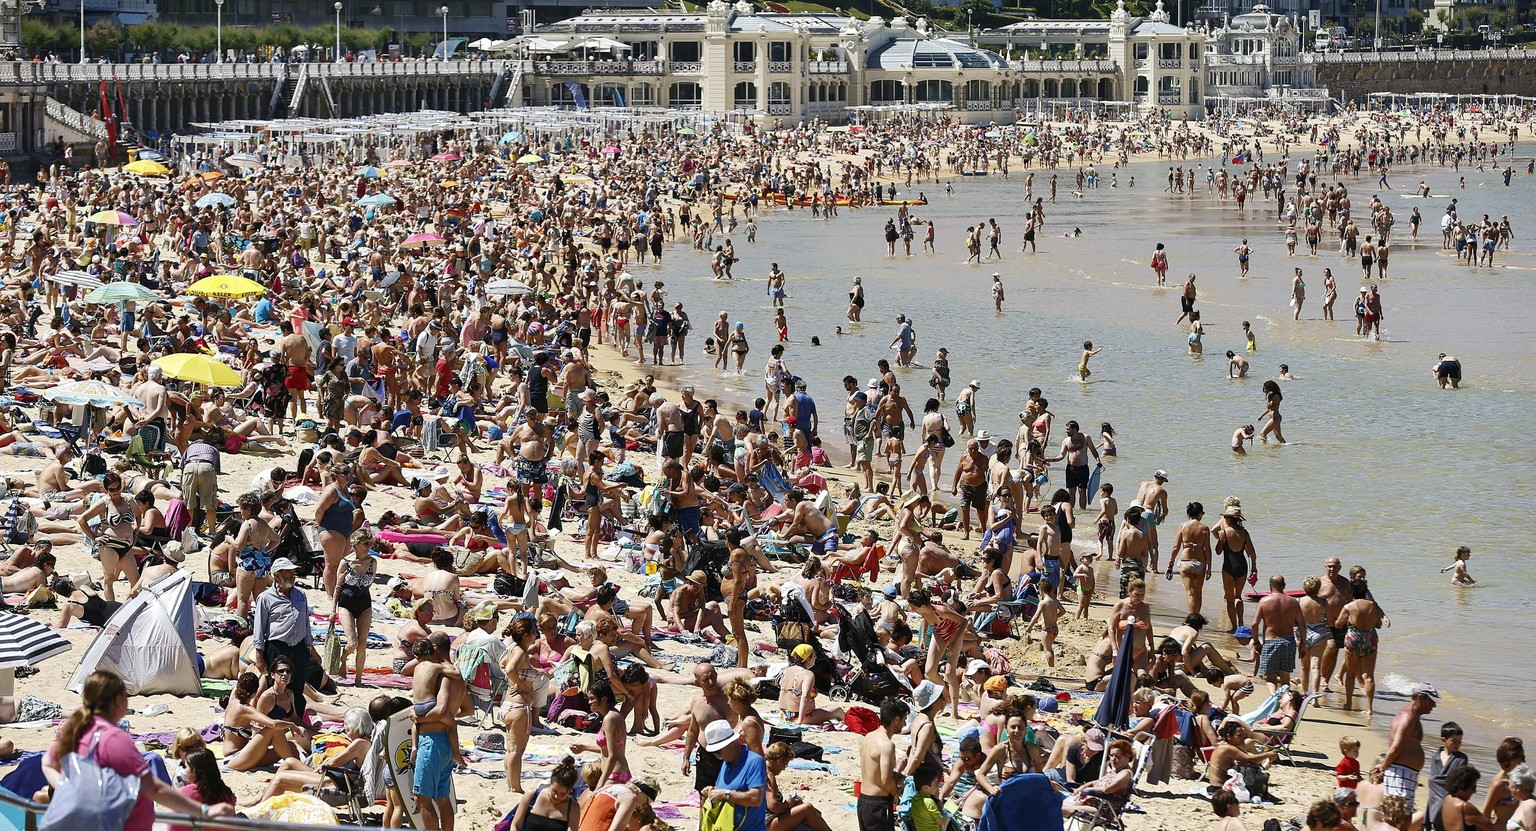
point(1023, 803)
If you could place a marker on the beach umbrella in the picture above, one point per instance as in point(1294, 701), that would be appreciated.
point(75, 277)
point(530, 159)
point(216, 200)
point(25, 642)
point(94, 393)
point(422, 240)
point(576, 179)
point(145, 167)
point(446, 157)
point(227, 285)
point(1115, 707)
point(611, 150)
point(152, 155)
point(512, 137)
point(111, 218)
point(399, 164)
point(248, 160)
point(121, 292)
point(199, 369)
point(370, 172)
point(211, 175)
point(376, 200)
point(507, 288)
point(687, 131)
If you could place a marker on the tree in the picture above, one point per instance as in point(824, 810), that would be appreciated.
point(1415, 23)
point(104, 39)
point(41, 38)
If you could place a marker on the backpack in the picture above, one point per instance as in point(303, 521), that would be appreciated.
point(23, 524)
point(574, 672)
point(863, 421)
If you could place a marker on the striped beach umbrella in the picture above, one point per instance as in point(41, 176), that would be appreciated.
point(121, 292)
point(216, 200)
point(248, 160)
point(75, 277)
point(25, 642)
point(377, 200)
point(94, 393)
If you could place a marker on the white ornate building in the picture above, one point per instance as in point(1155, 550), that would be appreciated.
point(1259, 55)
point(799, 66)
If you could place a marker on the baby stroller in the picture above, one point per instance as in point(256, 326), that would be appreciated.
point(792, 627)
point(868, 678)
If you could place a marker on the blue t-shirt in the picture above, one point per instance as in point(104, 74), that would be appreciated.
point(747, 773)
point(401, 420)
point(263, 311)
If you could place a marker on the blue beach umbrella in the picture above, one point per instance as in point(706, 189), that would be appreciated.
point(216, 200)
point(370, 172)
point(512, 137)
point(377, 200)
point(1115, 708)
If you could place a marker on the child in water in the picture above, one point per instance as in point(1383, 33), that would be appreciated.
point(1082, 364)
point(1253, 344)
point(1458, 568)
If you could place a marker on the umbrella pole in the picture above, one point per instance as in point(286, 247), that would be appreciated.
point(7, 682)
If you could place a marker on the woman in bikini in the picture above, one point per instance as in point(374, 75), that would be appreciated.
point(253, 738)
point(949, 630)
point(114, 539)
point(1191, 556)
point(515, 523)
point(415, 628)
point(522, 695)
point(787, 813)
point(611, 738)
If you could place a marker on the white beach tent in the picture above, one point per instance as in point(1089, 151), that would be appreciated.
point(151, 641)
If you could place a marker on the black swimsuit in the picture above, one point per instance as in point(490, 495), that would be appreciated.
point(1233, 562)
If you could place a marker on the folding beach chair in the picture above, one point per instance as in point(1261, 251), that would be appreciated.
point(1282, 740)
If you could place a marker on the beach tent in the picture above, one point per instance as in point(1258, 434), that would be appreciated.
point(150, 641)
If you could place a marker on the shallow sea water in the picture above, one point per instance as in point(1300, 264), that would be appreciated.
point(1384, 469)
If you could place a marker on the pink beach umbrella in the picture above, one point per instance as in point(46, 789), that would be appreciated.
point(422, 240)
point(446, 157)
point(611, 150)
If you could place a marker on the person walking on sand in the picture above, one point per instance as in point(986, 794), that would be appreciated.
point(1277, 627)
point(879, 783)
point(1400, 765)
point(1360, 618)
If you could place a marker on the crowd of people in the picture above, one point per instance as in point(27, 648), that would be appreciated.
point(433, 369)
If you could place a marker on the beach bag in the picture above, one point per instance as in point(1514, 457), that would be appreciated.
point(861, 720)
point(717, 816)
point(91, 797)
point(330, 650)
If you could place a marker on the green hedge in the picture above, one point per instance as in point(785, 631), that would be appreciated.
point(112, 39)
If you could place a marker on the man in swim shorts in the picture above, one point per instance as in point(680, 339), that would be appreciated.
point(1278, 624)
point(1404, 758)
point(1448, 371)
point(436, 690)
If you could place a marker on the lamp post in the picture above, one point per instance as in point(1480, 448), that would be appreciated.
point(218, 28)
point(443, 10)
point(82, 31)
point(337, 7)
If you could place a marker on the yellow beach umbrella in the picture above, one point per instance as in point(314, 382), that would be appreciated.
point(200, 369)
point(145, 167)
point(227, 285)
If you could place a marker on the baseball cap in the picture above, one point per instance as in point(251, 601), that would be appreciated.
point(283, 564)
point(1094, 739)
point(976, 665)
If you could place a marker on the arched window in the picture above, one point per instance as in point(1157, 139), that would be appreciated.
point(778, 93)
point(1106, 89)
point(1031, 88)
point(745, 96)
point(1194, 90)
point(608, 95)
point(1052, 90)
point(1085, 89)
point(642, 95)
point(978, 90)
point(1142, 85)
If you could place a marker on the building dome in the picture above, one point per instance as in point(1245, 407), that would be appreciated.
point(938, 53)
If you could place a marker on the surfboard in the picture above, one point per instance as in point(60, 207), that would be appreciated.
point(1093, 479)
point(1254, 597)
point(400, 754)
